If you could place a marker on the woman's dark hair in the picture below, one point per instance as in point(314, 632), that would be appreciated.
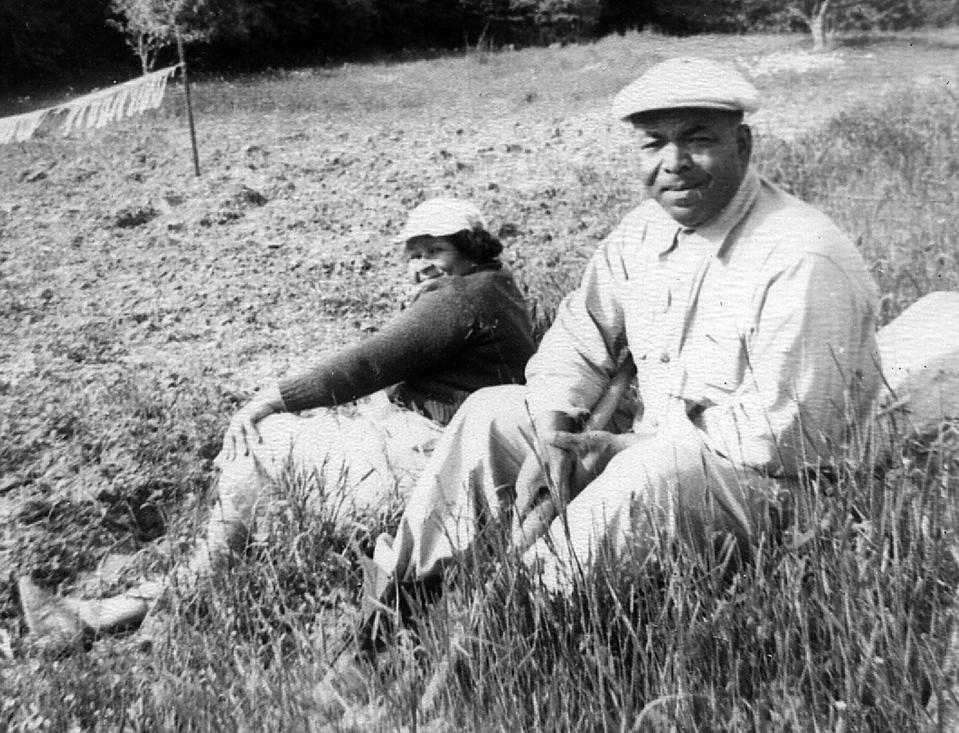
point(477, 244)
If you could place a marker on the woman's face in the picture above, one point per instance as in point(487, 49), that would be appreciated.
point(432, 257)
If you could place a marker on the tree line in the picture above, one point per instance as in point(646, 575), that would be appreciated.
point(47, 39)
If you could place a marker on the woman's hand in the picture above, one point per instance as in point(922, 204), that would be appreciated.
point(242, 431)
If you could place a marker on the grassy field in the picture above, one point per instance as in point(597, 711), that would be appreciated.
point(140, 305)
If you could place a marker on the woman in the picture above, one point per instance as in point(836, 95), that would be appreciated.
point(467, 327)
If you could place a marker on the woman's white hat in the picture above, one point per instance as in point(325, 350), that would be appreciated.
point(687, 82)
point(440, 217)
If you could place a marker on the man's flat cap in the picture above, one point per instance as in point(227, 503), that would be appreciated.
point(687, 82)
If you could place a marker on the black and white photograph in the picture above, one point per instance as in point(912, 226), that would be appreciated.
point(479, 365)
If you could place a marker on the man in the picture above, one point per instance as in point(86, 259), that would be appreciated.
point(750, 319)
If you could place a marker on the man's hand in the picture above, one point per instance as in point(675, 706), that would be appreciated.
point(544, 472)
point(592, 449)
point(566, 462)
point(547, 467)
point(543, 485)
point(242, 431)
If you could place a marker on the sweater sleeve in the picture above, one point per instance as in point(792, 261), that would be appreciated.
point(431, 331)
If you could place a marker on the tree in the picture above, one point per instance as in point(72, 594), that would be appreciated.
point(530, 21)
point(822, 17)
point(153, 25)
point(814, 15)
point(51, 40)
point(618, 16)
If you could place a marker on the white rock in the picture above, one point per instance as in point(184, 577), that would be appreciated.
point(920, 362)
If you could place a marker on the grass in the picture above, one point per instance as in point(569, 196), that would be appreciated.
point(140, 307)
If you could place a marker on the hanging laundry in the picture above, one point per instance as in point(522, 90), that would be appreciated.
point(93, 110)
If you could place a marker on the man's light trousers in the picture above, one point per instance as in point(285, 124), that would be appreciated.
point(668, 483)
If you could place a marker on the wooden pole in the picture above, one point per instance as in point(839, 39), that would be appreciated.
point(189, 104)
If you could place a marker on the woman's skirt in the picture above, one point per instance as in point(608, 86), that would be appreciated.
point(348, 463)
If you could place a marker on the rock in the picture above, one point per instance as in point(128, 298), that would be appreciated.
point(920, 363)
point(133, 216)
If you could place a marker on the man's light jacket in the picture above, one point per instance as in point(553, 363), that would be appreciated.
point(762, 322)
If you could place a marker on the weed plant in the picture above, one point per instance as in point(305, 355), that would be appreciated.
point(838, 625)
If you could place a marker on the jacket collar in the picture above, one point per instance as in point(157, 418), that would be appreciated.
point(715, 232)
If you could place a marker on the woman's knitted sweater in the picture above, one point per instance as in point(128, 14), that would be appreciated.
point(459, 334)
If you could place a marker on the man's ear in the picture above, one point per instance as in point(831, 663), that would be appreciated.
point(744, 143)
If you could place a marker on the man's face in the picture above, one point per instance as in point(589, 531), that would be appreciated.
point(692, 161)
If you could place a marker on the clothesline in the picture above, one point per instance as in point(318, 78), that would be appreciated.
point(93, 110)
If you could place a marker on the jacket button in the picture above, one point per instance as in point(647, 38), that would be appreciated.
point(664, 358)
